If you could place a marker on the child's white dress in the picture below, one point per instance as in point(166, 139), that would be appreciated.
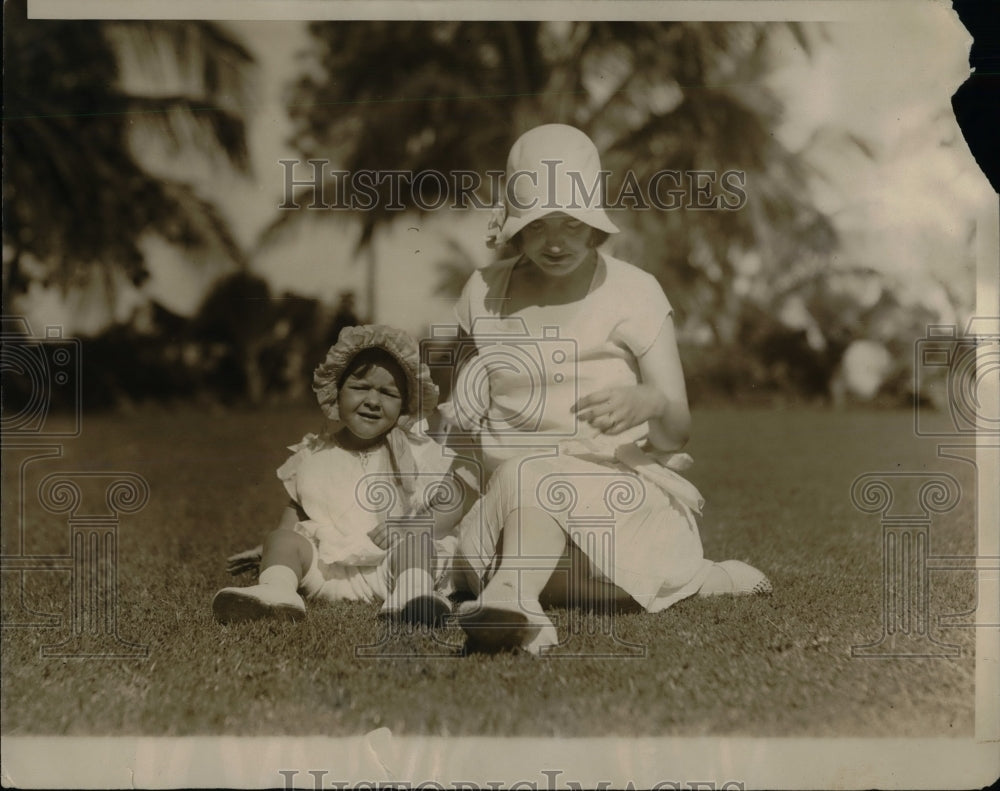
point(346, 495)
point(632, 516)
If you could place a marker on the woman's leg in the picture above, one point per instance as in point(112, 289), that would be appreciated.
point(507, 613)
point(574, 584)
point(531, 546)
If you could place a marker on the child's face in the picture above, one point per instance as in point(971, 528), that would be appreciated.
point(557, 243)
point(371, 401)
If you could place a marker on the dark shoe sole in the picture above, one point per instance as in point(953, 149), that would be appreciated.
point(425, 611)
point(490, 630)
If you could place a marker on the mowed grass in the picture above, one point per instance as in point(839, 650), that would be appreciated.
point(777, 486)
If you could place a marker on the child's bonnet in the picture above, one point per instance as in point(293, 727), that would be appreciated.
point(413, 471)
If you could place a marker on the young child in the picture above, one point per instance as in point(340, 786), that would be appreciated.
point(611, 405)
point(329, 544)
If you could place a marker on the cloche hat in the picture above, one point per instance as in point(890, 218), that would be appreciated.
point(551, 168)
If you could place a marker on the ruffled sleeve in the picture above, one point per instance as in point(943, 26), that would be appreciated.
point(643, 316)
point(288, 472)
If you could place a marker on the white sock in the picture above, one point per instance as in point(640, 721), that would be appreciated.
point(280, 576)
point(502, 590)
point(413, 582)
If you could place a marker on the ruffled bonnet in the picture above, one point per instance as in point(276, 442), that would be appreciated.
point(422, 393)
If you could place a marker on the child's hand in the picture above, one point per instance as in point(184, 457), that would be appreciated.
point(248, 560)
point(380, 533)
point(617, 409)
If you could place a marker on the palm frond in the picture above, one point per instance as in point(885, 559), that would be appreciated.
point(77, 199)
point(195, 223)
point(654, 95)
point(453, 270)
point(190, 124)
point(211, 63)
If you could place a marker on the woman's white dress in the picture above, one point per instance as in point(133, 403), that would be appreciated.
point(631, 514)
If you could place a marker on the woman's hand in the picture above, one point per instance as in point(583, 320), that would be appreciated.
point(617, 409)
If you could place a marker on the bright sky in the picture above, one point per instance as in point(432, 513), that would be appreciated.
point(889, 83)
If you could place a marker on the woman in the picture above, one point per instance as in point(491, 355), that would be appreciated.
point(577, 389)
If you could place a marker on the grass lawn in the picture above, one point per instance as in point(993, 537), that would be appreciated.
point(777, 485)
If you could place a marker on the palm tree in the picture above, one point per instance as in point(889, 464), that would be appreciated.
point(453, 96)
point(407, 96)
point(77, 199)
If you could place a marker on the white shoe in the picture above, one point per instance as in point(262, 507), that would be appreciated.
point(428, 609)
point(504, 626)
point(233, 605)
point(413, 600)
point(736, 578)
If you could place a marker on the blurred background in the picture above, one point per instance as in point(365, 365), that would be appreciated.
point(142, 184)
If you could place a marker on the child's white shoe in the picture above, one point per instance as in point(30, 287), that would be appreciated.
point(428, 610)
point(414, 600)
point(736, 578)
point(504, 626)
point(233, 605)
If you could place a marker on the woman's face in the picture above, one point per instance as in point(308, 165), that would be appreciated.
point(371, 401)
point(557, 243)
